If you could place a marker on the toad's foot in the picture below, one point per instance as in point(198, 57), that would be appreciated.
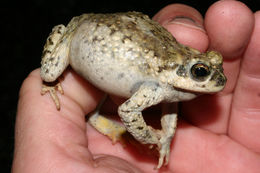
point(169, 123)
point(52, 88)
point(107, 127)
point(164, 151)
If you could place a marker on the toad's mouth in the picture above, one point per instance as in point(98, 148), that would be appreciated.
point(214, 84)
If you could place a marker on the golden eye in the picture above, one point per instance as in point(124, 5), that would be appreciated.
point(200, 71)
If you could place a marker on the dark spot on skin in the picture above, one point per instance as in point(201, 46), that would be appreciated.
point(56, 64)
point(145, 66)
point(181, 71)
point(140, 128)
point(167, 67)
point(112, 31)
point(125, 111)
point(102, 78)
point(51, 59)
point(258, 94)
point(50, 41)
point(125, 38)
point(145, 96)
point(173, 66)
point(126, 122)
point(160, 69)
point(127, 102)
point(153, 31)
point(130, 50)
point(99, 24)
point(131, 24)
point(120, 75)
point(104, 52)
point(139, 105)
point(134, 120)
point(157, 54)
point(154, 89)
point(95, 39)
point(59, 28)
point(147, 134)
point(47, 71)
point(46, 52)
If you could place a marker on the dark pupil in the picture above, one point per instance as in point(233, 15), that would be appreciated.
point(201, 72)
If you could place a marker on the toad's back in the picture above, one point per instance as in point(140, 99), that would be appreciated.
point(117, 52)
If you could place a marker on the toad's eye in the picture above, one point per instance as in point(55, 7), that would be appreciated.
point(200, 71)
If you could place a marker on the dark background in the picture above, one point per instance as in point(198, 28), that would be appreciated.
point(24, 29)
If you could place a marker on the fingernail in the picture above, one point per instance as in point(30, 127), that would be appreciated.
point(185, 21)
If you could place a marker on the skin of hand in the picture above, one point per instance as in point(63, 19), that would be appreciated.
point(215, 133)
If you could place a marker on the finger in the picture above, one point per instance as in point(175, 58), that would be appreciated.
point(245, 119)
point(186, 25)
point(229, 26)
point(54, 137)
point(197, 150)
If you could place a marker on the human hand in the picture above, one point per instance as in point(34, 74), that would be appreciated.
point(217, 132)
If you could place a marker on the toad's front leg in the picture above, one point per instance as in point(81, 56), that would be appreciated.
point(131, 114)
point(55, 60)
point(169, 124)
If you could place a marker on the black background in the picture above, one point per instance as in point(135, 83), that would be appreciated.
point(25, 26)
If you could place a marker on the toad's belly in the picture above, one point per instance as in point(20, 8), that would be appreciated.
point(106, 75)
point(105, 68)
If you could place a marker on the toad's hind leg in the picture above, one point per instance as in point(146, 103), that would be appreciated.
point(107, 127)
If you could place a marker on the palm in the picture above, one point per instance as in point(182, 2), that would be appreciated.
point(215, 132)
